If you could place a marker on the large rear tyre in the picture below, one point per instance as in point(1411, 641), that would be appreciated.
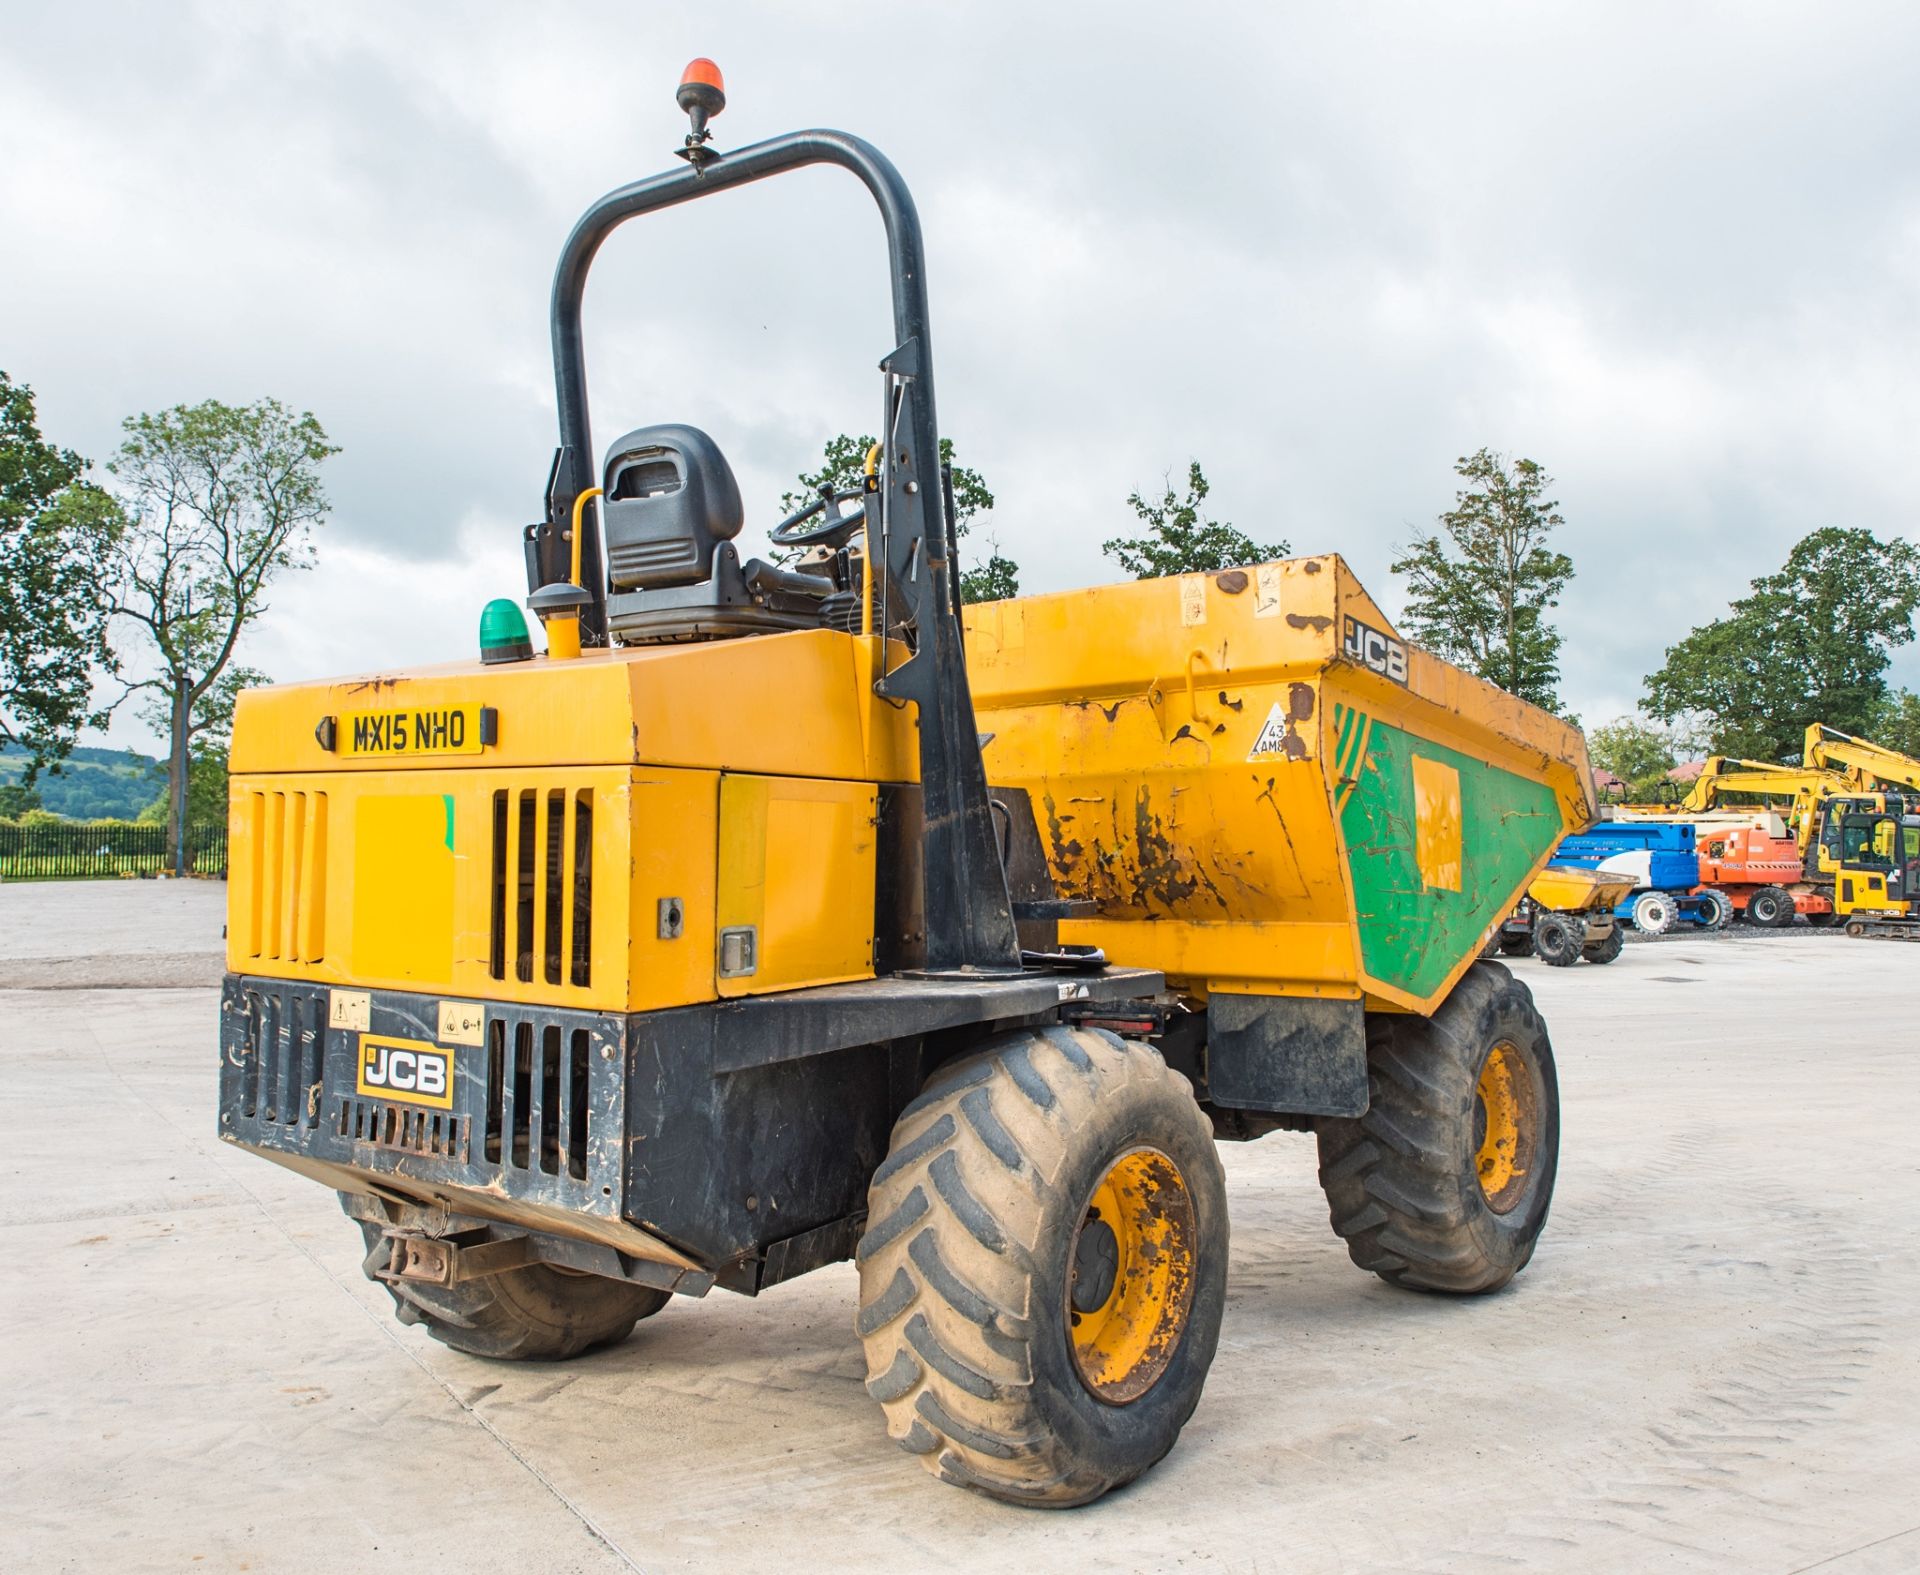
point(1445, 1182)
point(1770, 908)
point(1516, 945)
point(533, 1314)
point(1044, 1268)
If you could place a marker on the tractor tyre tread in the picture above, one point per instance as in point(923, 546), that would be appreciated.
point(1554, 942)
point(1400, 1181)
point(1771, 907)
point(1716, 910)
point(1655, 912)
point(531, 1314)
point(965, 1209)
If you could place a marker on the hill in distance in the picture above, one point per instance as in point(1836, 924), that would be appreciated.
point(91, 783)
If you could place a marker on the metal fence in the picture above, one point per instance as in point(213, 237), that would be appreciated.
point(97, 849)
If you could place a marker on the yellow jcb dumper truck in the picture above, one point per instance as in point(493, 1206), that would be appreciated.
point(760, 924)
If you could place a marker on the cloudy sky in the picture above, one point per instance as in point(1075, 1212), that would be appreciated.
point(1670, 251)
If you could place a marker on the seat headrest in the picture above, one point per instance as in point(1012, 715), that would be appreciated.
point(670, 501)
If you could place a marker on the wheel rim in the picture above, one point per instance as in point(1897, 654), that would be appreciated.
point(1130, 1281)
point(1505, 1111)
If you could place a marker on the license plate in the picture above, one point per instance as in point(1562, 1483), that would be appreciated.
point(410, 1070)
point(443, 730)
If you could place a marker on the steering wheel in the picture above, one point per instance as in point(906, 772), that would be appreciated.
point(837, 528)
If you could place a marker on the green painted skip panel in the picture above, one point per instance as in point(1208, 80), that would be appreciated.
point(1412, 934)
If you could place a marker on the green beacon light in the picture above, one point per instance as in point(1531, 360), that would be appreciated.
point(503, 632)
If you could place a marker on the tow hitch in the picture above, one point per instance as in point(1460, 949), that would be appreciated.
point(450, 1260)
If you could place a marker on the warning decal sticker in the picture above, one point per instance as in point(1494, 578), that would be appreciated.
point(1273, 735)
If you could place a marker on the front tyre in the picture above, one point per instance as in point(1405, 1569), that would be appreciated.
point(1445, 1182)
point(1716, 910)
point(1044, 1268)
point(1556, 941)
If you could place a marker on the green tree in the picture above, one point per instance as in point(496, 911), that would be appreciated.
point(16, 798)
point(1898, 726)
point(1177, 540)
point(996, 580)
point(206, 791)
point(207, 757)
point(1810, 643)
point(843, 465)
point(1638, 753)
point(225, 498)
point(1479, 594)
point(57, 532)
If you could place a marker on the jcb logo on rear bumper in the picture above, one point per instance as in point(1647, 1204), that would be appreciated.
point(406, 1069)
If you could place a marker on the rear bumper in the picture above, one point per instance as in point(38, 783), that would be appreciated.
point(733, 1139)
point(529, 1130)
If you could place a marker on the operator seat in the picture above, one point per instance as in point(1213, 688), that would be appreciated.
point(669, 515)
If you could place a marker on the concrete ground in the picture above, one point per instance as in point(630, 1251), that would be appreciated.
point(1713, 1362)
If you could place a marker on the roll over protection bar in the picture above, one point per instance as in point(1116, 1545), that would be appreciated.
point(968, 917)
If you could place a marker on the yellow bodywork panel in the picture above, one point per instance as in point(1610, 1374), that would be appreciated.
point(782, 704)
point(550, 832)
point(797, 872)
point(676, 817)
point(476, 883)
point(402, 888)
point(1436, 808)
point(277, 886)
point(1262, 788)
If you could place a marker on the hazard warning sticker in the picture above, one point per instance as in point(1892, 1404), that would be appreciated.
point(1266, 591)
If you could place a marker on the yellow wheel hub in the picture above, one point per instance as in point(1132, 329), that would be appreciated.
point(1506, 1115)
point(1130, 1279)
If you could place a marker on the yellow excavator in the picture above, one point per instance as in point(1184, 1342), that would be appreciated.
point(1851, 845)
point(1870, 838)
point(1864, 766)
